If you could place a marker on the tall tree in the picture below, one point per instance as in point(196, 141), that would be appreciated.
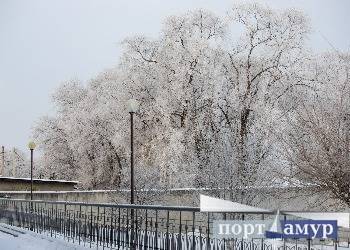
point(318, 143)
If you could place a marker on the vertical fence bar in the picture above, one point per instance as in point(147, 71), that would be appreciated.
point(97, 226)
point(156, 227)
point(167, 230)
point(208, 231)
point(103, 238)
point(336, 244)
point(193, 230)
point(262, 239)
point(180, 231)
point(79, 234)
point(118, 241)
point(90, 232)
point(135, 229)
point(145, 244)
point(127, 238)
point(111, 232)
point(73, 234)
point(85, 225)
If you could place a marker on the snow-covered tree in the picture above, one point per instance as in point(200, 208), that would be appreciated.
point(213, 106)
point(16, 163)
point(318, 143)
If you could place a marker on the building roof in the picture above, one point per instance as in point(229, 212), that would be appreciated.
point(14, 179)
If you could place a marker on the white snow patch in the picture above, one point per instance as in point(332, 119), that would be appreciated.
point(28, 240)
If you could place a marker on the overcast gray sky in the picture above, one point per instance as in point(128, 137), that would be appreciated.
point(43, 43)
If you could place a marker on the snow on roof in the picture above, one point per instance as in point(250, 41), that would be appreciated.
point(36, 180)
point(211, 204)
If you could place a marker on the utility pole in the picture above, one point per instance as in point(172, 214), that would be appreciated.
point(14, 162)
point(2, 160)
point(347, 151)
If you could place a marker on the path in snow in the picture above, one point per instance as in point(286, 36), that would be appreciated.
point(13, 238)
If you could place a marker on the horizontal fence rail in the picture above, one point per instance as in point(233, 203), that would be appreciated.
point(117, 226)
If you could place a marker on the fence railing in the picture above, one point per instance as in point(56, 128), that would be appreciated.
point(116, 226)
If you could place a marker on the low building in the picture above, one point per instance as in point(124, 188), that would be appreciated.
point(23, 184)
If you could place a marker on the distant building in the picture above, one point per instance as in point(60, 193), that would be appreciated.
point(23, 184)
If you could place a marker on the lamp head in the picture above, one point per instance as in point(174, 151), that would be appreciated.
point(133, 105)
point(31, 145)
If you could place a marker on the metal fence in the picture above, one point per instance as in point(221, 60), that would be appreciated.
point(135, 226)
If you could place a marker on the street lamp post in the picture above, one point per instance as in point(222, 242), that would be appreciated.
point(133, 107)
point(31, 146)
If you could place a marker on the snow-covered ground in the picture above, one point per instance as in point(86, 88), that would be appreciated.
point(13, 238)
